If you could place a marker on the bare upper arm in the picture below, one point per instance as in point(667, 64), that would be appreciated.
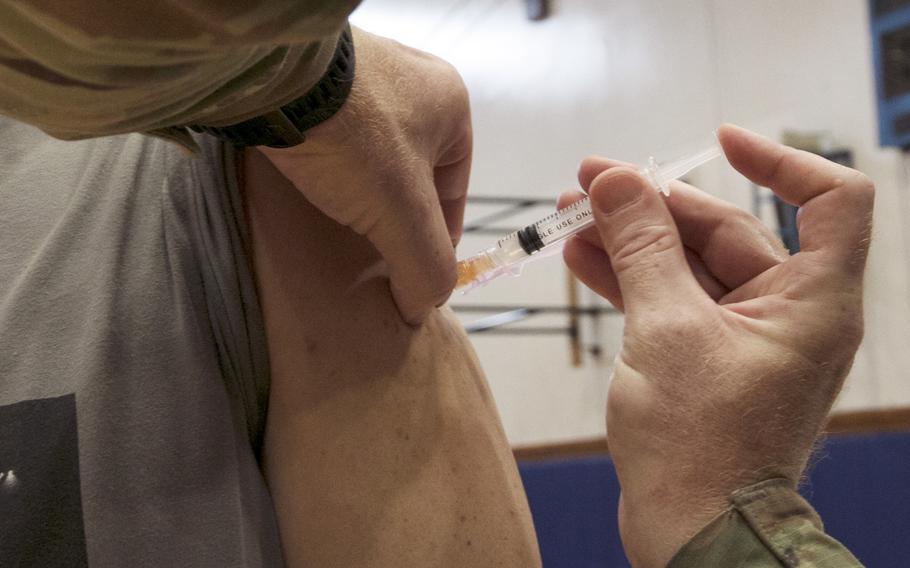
point(383, 446)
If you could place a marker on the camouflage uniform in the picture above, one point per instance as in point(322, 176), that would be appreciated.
point(767, 524)
point(81, 70)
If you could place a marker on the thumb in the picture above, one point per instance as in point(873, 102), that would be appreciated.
point(415, 244)
point(643, 243)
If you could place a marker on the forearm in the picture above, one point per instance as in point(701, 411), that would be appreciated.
point(159, 65)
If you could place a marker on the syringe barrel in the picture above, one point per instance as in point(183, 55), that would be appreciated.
point(556, 227)
point(513, 250)
point(508, 251)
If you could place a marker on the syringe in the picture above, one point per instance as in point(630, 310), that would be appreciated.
point(534, 241)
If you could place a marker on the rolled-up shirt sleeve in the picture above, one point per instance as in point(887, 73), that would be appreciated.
point(85, 69)
point(767, 525)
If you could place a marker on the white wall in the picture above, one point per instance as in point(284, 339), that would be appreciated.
point(631, 78)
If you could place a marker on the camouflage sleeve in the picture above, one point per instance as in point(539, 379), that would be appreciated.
point(768, 524)
point(94, 68)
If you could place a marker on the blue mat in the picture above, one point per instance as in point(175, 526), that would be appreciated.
point(860, 485)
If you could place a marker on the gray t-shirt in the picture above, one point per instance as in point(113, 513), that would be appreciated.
point(133, 366)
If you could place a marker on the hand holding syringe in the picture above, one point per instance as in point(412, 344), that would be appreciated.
point(536, 240)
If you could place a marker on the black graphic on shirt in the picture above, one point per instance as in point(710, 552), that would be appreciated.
point(40, 502)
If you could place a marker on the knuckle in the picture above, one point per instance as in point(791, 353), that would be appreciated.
point(642, 243)
point(738, 221)
point(742, 225)
point(779, 164)
point(861, 187)
point(744, 218)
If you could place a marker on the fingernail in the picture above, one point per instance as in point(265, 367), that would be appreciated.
point(617, 192)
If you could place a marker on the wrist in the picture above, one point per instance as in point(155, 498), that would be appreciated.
point(653, 528)
point(669, 497)
point(658, 517)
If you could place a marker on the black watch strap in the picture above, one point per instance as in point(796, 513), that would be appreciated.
point(284, 127)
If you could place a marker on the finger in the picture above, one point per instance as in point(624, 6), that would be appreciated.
point(453, 214)
point(702, 272)
point(569, 197)
point(643, 244)
point(593, 166)
point(411, 236)
point(703, 275)
point(731, 245)
point(451, 177)
point(585, 256)
point(734, 246)
point(591, 265)
point(835, 201)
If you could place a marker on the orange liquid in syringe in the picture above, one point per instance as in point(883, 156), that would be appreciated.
point(470, 268)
